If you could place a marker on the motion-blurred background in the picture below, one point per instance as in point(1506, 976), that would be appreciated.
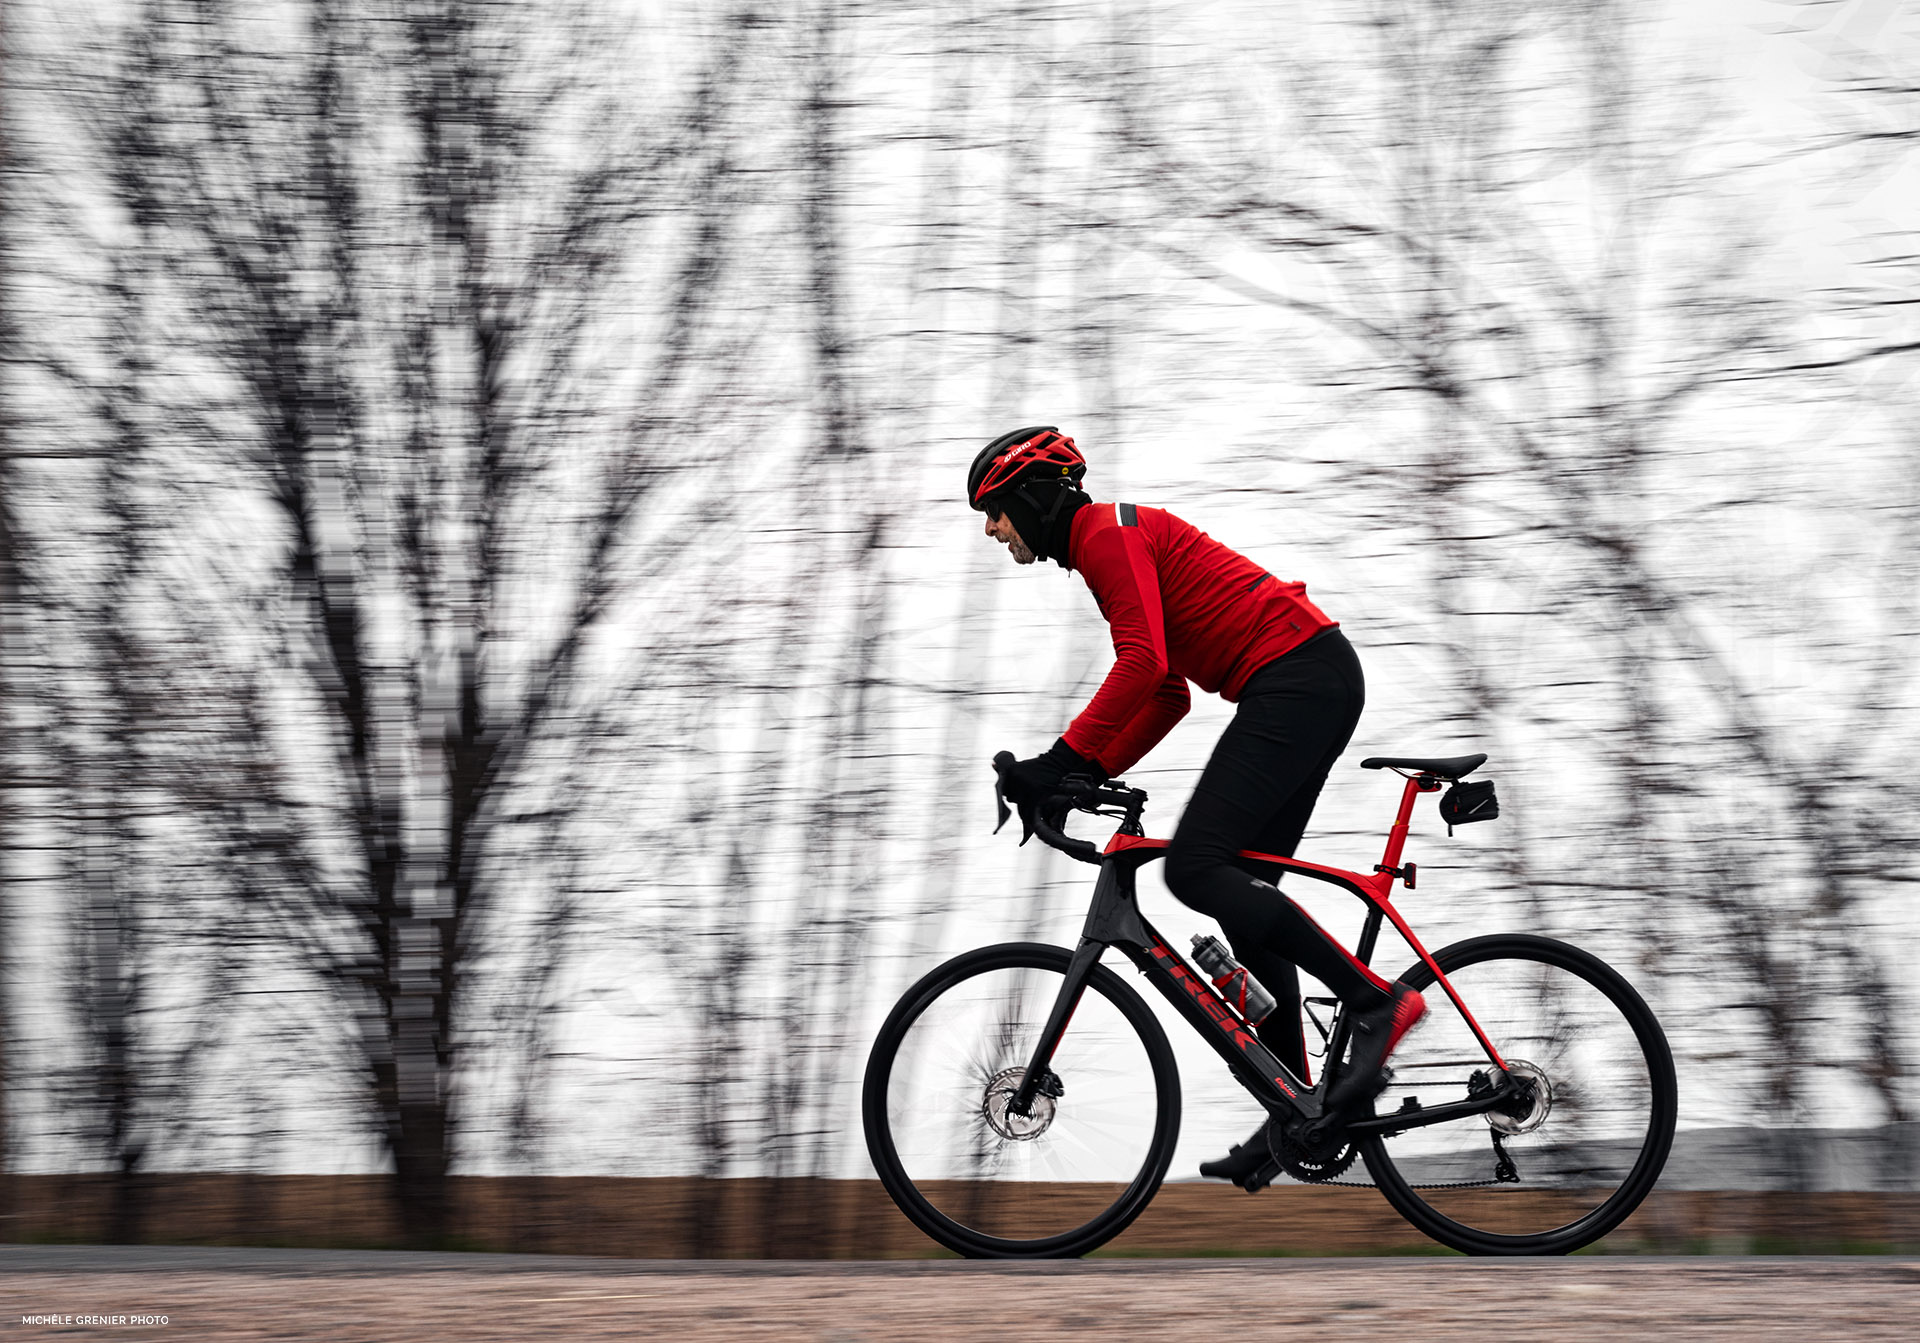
point(498, 674)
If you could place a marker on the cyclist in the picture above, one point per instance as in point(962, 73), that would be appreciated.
point(1182, 607)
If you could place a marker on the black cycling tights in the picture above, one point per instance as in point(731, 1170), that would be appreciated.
point(1296, 715)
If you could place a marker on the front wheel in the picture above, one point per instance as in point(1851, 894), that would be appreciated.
point(1565, 1162)
point(987, 1182)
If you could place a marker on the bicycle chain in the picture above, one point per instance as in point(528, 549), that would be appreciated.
point(1367, 1184)
point(1457, 1184)
point(1503, 1173)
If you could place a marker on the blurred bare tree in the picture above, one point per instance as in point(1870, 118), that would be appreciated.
point(10, 606)
point(377, 244)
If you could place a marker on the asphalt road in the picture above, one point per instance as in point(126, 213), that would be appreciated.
point(126, 1292)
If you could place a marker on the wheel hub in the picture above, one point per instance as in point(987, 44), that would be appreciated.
point(996, 1103)
point(1527, 1110)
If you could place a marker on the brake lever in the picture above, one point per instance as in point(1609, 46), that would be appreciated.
point(1026, 817)
point(1000, 763)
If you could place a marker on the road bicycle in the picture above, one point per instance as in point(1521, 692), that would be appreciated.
point(1022, 1101)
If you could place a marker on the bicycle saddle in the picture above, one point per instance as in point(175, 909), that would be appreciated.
point(1451, 767)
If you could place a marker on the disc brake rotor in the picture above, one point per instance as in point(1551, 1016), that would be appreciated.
point(1526, 1121)
point(1002, 1120)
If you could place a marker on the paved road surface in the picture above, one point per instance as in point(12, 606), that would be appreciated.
point(352, 1296)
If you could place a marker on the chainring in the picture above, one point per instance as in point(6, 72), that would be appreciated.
point(1306, 1167)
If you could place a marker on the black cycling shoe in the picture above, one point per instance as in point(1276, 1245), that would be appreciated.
point(1376, 1031)
point(1249, 1165)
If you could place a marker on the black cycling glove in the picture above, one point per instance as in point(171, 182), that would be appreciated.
point(1031, 782)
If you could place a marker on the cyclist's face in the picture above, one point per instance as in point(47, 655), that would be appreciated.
point(1001, 530)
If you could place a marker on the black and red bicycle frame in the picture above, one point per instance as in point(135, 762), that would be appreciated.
point(1114, 920)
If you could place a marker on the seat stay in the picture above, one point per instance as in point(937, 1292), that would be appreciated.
point(1380, 901)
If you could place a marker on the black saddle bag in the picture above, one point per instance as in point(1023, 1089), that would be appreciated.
point(1467, 802)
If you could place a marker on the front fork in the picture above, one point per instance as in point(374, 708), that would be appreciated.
point(1039, 1078)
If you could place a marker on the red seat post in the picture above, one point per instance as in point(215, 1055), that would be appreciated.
point(1397, 837)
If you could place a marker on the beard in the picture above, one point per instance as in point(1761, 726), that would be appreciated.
point(1018, 549)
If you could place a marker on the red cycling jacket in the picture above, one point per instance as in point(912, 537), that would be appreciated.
point(1182, 608)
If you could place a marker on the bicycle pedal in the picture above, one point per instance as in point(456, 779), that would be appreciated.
point(1261, 1178)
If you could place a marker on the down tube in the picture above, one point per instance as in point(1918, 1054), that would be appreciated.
point(1230, 1037)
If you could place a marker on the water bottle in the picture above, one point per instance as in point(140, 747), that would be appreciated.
point(1241, 990)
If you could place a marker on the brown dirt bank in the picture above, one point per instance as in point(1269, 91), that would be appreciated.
point(853, 1219)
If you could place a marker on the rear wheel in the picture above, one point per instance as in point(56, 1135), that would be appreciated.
point(1565, 1164)
point(989, 1183)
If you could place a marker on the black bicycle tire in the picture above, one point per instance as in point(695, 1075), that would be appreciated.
point(1662, 1082)
point(965, 1240)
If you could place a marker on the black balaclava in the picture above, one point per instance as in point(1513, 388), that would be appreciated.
point(1042, 512)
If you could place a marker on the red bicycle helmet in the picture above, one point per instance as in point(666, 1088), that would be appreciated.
point(1040, 452)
